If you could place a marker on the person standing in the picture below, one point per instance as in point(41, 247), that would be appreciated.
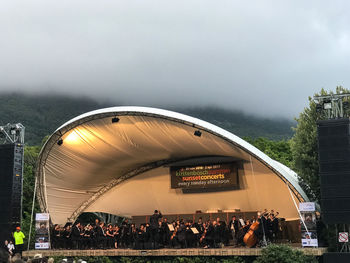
point(154, 225)
point(18, 237)
point(234, 228)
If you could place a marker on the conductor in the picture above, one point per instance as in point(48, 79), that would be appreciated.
point(154, 225)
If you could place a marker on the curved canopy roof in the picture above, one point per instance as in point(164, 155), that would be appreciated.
point(92, 163)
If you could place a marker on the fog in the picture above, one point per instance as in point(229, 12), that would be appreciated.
point(262, 57)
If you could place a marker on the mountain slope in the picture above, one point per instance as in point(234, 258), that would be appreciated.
point(43, 114)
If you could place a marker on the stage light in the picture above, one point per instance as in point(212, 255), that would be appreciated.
point(327, 104)
point(198, 133)
point(59, 142)
point(115, 120)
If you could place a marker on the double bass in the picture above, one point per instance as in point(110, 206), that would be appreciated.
point(250, 239)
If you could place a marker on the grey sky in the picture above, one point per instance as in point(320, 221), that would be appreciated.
point(260, 56)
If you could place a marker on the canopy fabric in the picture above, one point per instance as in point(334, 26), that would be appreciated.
point(122, 168)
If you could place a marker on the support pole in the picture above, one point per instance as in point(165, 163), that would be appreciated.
point(32, 215)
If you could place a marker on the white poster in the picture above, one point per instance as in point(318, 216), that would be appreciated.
point(42, 228)
point(308, 224)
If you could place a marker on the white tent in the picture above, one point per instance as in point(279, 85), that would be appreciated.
point(116, 160)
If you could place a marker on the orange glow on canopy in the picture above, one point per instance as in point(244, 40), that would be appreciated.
point(78, 136)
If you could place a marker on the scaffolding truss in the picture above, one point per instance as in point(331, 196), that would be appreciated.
point(12, 133)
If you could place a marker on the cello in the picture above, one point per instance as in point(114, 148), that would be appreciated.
point(250, 239)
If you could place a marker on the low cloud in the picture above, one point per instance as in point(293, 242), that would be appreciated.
point(263, 57)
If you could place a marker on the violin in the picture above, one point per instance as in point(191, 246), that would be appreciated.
point(174, 233)
point(203, 236)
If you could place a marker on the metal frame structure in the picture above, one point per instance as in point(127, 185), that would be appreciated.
point(12, 133)
point(333, 105)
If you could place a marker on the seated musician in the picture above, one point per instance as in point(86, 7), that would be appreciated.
point(181, 234)
point(173, 238)
point(190, 236)
point(209, 235)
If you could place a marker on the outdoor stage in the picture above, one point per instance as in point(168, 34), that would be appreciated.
point(223, 252)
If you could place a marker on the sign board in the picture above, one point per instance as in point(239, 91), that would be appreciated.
point(307, 207)
point(343, 237)
point(42, 237)
point(205, 176)
point(308, 224)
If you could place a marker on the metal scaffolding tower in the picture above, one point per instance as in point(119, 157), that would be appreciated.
point(12, 133)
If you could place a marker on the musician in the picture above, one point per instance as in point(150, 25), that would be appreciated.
point(141, 237)
point(164, 232)
point(242, 231)
point(217, 232)
point(181, 234)
point(190, 236)
point(209, 236)
point(110, 236)
point(133, 233)
point(125, 233)
point(56, 237)
point(234, 226)
point(87, 238)
point(66, 236)
point(116, 234)
point(273, 227)
point(95, 230)
point(101, 236)
point(173, 238)
point(76, 236)
point(154, 227)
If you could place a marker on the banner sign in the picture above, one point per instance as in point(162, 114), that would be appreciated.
point(204, 176)
point(42, 238)
point(308, 234)
point(307, 206)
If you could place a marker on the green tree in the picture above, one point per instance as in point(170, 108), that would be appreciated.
point(304, 147)
point(31, 154)
point(283, 254)
point(277, 150)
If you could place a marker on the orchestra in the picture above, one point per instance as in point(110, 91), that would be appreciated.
point(160, 233)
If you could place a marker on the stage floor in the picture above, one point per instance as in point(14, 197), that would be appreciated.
point(221, 252)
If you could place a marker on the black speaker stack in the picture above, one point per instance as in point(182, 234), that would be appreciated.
point(11, 178)
point(334, 162)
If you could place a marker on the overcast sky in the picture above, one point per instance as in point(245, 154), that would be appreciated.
point(258, 56)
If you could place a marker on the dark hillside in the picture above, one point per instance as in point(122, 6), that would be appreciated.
point(43, 114)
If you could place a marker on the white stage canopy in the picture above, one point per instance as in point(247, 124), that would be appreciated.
point(116, 160)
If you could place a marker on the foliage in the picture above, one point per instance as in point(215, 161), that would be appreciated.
point(242, 124)
point(283, 254)
point(42, 114)
point(156, 259)
point(30, 158)
point(277, 150)
point(304, 147)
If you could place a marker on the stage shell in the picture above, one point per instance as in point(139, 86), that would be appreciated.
point(121, 167)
